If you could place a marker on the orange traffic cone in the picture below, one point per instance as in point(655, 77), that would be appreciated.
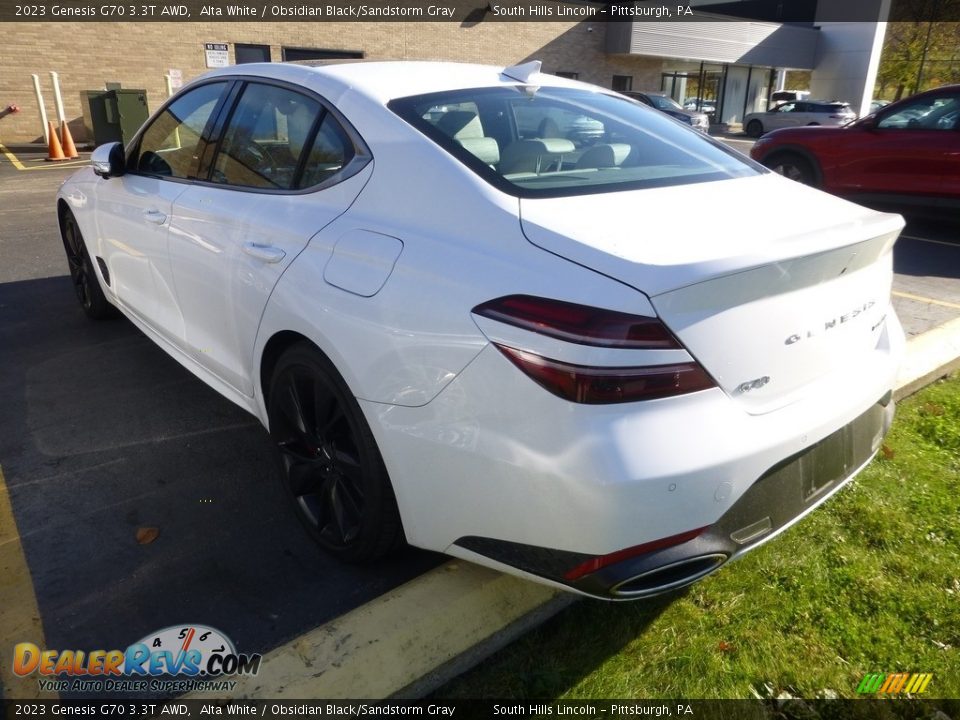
point(54, 151)
point(69, 149)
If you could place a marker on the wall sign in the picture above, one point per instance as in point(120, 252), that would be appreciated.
point(217, 55)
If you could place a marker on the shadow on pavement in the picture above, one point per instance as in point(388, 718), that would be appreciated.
point(101, 433)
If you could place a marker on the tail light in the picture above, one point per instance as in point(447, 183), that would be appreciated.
point(580, 324)
point(602, 328)
point(602, 561)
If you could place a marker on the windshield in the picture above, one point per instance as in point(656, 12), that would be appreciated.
point(554, 142)
point(664, 103)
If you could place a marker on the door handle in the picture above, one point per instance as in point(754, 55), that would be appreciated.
point(267, 253)
point(154, 216)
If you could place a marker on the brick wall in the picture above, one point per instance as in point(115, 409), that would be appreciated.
point(138, 55)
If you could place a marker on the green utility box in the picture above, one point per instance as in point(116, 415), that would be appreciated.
point(113, 115)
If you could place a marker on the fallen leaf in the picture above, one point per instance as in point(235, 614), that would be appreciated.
point(724, 646)
point(147, 535)
point(888, 454)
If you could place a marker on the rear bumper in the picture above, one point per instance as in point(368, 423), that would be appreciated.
point(779, 498)
point(498, 471)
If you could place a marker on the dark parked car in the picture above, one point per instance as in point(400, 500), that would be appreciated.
point(666, 104)
point(907, 153)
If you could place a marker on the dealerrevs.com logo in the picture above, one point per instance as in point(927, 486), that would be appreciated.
point(180, 658)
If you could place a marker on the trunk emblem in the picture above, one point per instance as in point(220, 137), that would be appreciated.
point(831, 323)
point(749, 385)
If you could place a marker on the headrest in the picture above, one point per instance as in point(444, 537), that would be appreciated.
point(484, 148)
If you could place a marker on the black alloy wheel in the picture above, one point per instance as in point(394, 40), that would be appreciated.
point(754, 128)
point(331, 465)
point(86, 284)
point(794, 167)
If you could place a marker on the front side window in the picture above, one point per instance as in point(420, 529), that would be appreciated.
point(554, 142)
point(173, 143)
point(265, 138)
point(927, 113)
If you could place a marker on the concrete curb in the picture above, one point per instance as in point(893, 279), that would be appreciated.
point(419, 636)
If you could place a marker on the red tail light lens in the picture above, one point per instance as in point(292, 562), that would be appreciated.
point(604, 385)
point(580, 324)
point(602, 561)
point(586, 325)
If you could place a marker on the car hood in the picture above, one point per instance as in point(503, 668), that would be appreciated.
point(636, 236)
point(805, 132)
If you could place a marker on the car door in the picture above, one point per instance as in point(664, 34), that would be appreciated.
point(286, 166)
point(779, 117)
point(134, 210)
point(908, 150)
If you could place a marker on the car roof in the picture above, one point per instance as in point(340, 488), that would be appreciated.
point(384, 80)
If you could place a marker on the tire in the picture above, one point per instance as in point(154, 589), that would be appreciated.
point(754, 128)
point(794, 167)
point(331, 466)
point(86, 282)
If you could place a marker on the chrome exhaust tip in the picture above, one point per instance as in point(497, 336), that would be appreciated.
point(668, 577)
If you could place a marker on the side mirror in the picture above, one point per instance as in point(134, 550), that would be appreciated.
point(108, 160)
point(867, 123)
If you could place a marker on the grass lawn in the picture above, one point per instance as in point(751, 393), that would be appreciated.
point(870, 582)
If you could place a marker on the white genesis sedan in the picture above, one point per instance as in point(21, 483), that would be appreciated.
point(457, 298)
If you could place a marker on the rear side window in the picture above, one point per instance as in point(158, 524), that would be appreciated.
point(554, 142)
point(265, 138)
point(331, 151)
point(173, 143)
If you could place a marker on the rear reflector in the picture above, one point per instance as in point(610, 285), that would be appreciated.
point(580, 324)
point(602, 561)
point(603, 385)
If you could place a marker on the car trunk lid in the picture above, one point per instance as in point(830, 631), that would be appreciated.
point(767, 304)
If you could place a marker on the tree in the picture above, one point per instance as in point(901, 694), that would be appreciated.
point(921, 47)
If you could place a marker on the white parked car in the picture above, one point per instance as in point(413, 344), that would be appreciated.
point(793, 114)
point(459, 333)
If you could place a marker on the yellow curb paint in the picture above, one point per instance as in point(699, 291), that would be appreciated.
point(920, 298)
point(395, 640)
point(19, 614)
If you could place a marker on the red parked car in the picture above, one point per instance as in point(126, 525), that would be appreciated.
point(907, 153)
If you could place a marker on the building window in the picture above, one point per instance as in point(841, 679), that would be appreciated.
point(293, 53)
point(622, 82)
point(251, 53)
point(567, 74)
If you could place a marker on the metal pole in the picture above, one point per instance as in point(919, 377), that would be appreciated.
point(61, 116)
point(923, 59)
point(43, 110)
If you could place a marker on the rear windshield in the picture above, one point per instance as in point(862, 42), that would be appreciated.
point(664, 103)
point(555, 142)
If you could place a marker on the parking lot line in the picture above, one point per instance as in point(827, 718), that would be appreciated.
point(920, 298)
point(11, 157)
point(19, 614)
point(928, 240)
point(15, 161)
